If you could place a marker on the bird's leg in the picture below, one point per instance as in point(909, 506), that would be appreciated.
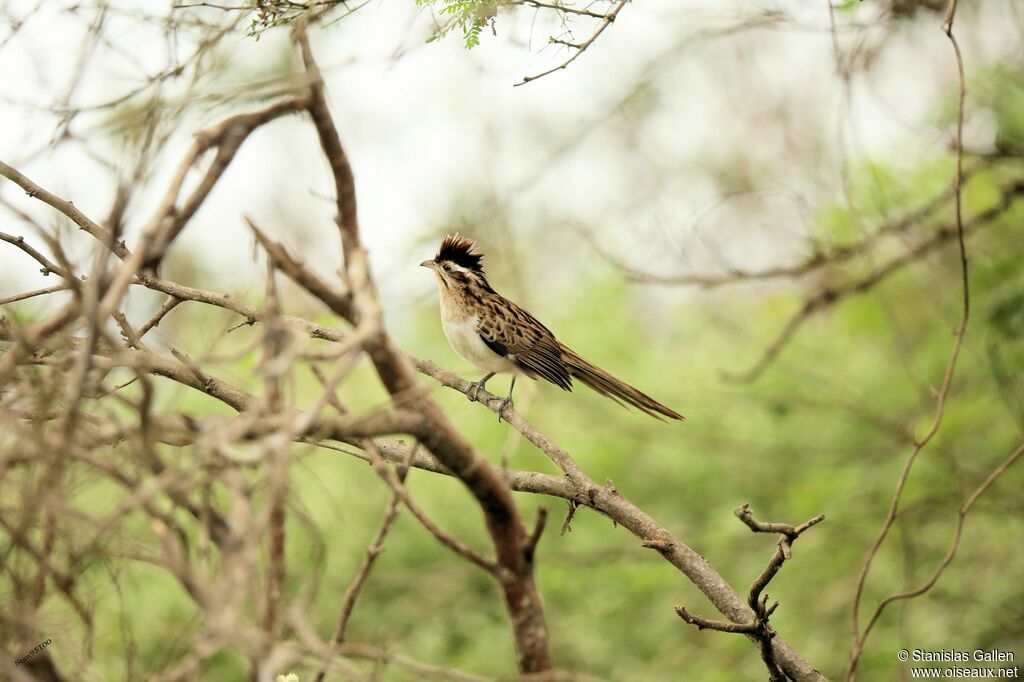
point(474, 387)
point(507, 400)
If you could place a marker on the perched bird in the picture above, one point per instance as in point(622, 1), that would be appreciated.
point(496, 335)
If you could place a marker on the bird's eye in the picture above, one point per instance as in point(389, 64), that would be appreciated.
point(446, 267)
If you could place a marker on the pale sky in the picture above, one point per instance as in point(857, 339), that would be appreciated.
point(434, 128)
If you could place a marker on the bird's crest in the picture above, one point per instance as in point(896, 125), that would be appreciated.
point(461, 251)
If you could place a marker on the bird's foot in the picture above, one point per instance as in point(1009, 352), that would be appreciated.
point(502, 404)
point(473, 392)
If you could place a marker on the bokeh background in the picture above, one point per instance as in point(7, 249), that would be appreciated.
point(692, 141)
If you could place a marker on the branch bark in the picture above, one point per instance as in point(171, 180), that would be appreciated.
point(508, 532)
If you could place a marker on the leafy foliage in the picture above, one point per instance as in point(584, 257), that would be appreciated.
point(470, 16)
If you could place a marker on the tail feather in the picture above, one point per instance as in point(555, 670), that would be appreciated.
point(608, 386)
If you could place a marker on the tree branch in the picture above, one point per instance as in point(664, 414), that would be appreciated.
point(860, 636)
point(508, 533)
point(606, 21)
point(759, 629)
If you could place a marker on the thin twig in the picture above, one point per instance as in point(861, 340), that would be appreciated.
point(167, 306)
point(860, 636)
point(831, 295)
point(32, 294)
point(372, 552)
point(606, 21)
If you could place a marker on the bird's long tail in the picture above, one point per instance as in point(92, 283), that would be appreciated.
point(607, 385)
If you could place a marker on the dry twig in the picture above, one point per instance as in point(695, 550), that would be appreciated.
point(759, 629)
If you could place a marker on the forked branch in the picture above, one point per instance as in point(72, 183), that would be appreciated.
point(759, 629)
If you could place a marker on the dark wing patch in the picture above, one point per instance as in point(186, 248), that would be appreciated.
point(495, 345)
point(514, 333)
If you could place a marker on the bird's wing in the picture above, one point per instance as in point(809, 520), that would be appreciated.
point(513, 333)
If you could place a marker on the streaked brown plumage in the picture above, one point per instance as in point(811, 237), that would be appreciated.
point(496, 335)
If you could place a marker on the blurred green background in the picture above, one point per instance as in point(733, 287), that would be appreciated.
point(825, 429)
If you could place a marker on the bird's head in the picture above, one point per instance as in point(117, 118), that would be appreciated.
point(457, 264)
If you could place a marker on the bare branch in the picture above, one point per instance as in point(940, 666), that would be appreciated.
point(34, 191)
point(759, 629)
point(372, 552)
point(508, 533)
point(167, 306)
point(831, 295)
point(561, 8)
point(961, 517)
point(860, 636)
point(32, 294)
point(606, 21)
point(579, 489)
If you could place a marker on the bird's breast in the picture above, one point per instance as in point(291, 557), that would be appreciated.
point(465, 339)
point(451, 309)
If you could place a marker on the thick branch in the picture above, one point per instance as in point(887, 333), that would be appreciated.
point(506, 527)
point(578, 488)
point(575, 486)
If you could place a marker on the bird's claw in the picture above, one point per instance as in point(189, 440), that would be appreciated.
point(502, 404)
point(473, 392)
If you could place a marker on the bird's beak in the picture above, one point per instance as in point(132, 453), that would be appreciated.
point(429, 264)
